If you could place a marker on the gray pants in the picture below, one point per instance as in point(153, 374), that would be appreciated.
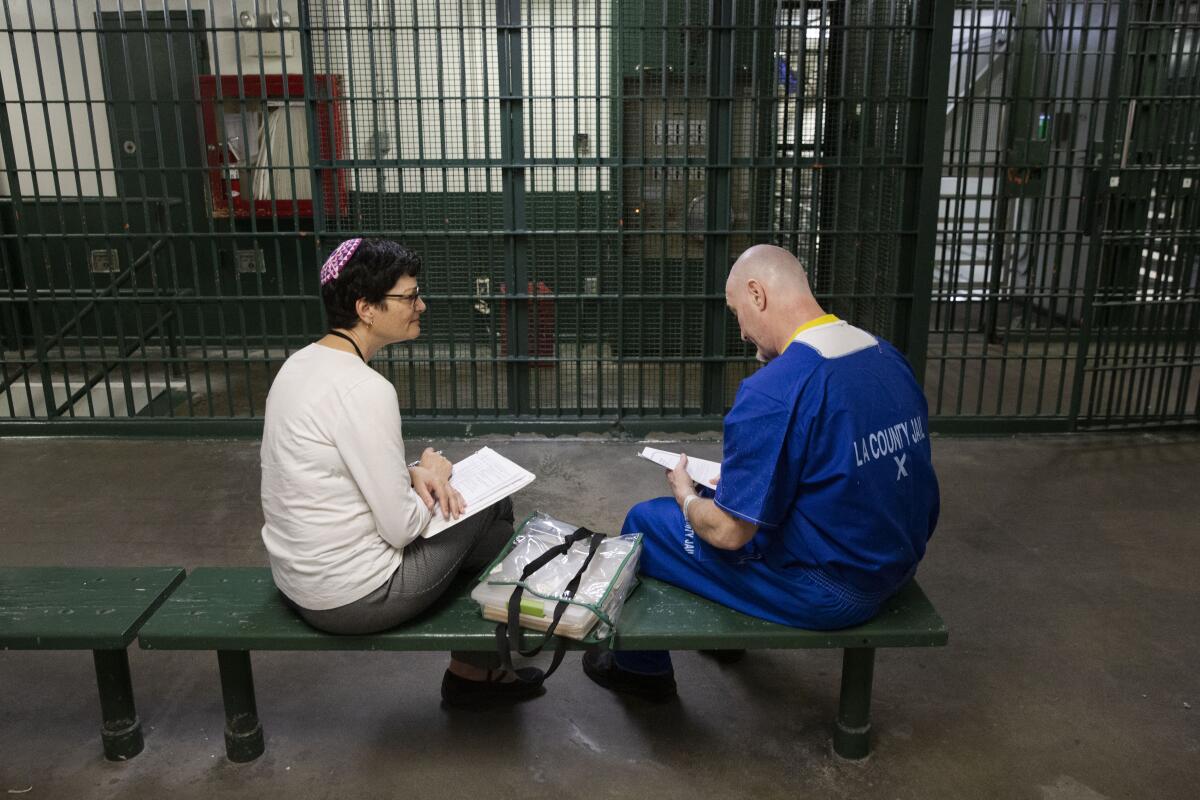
point(428, 567)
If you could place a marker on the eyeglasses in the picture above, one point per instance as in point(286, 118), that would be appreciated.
point(411, 297)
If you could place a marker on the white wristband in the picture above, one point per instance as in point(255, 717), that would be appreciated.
point(687, 502)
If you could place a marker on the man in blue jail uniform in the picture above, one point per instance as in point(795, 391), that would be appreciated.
point(827, 494)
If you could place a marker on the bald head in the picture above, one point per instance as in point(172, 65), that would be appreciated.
point(768, 292)
point(772, 266)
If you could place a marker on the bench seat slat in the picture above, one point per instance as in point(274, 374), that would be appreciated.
point(663, 617)
point(239, 608)
point(79, 608)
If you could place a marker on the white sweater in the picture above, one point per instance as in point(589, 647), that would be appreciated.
point(337, 498)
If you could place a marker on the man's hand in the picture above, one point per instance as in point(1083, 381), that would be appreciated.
point(681, 483)
point(436, 463)
point(710, 522)
point(434, 489)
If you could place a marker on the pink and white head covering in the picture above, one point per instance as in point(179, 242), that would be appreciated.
point(337, 259)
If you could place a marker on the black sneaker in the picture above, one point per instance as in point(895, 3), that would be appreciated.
point(462, 693)
point(601, 667)
point(725, 656)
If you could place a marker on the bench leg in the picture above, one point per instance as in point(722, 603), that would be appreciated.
point(851, 738)
point(122, 730)
point(243, 733)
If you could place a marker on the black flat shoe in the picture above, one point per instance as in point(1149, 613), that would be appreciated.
point(494, 691)
point(601, 667)
point(725, 656)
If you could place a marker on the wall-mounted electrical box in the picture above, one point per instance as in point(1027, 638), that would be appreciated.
point(104, 261)
point(249, 262)
point(269, 33)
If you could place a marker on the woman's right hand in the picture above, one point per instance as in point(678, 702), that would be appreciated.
point(435, 490)
point(436, 463)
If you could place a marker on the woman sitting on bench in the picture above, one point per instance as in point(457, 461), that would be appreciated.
point(343, 513)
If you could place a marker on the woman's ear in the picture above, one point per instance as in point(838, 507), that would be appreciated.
point(366, 311)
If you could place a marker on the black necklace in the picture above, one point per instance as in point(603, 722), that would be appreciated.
point(351, 341)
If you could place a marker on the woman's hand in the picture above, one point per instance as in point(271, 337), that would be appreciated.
point(436, 463)
point(436, 490)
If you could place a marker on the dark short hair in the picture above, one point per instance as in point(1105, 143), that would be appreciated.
point(369, 274)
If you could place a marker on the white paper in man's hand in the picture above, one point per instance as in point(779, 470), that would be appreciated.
point(702, 471)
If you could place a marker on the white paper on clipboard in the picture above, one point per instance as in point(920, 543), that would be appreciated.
point(482, 478)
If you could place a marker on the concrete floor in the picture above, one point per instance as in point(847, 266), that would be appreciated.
point(1066, 569)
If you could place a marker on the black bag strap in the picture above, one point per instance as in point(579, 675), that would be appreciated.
point(508, 636)
point(514, 602)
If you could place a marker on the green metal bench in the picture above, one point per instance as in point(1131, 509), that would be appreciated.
point(98, 609)
point(236, 610)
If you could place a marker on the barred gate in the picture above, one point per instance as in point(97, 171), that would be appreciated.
point(577, 174)
point(1066, 273)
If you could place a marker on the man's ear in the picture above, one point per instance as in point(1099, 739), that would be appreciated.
point(758, 294)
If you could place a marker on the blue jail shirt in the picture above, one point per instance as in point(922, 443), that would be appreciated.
point(826, 449)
